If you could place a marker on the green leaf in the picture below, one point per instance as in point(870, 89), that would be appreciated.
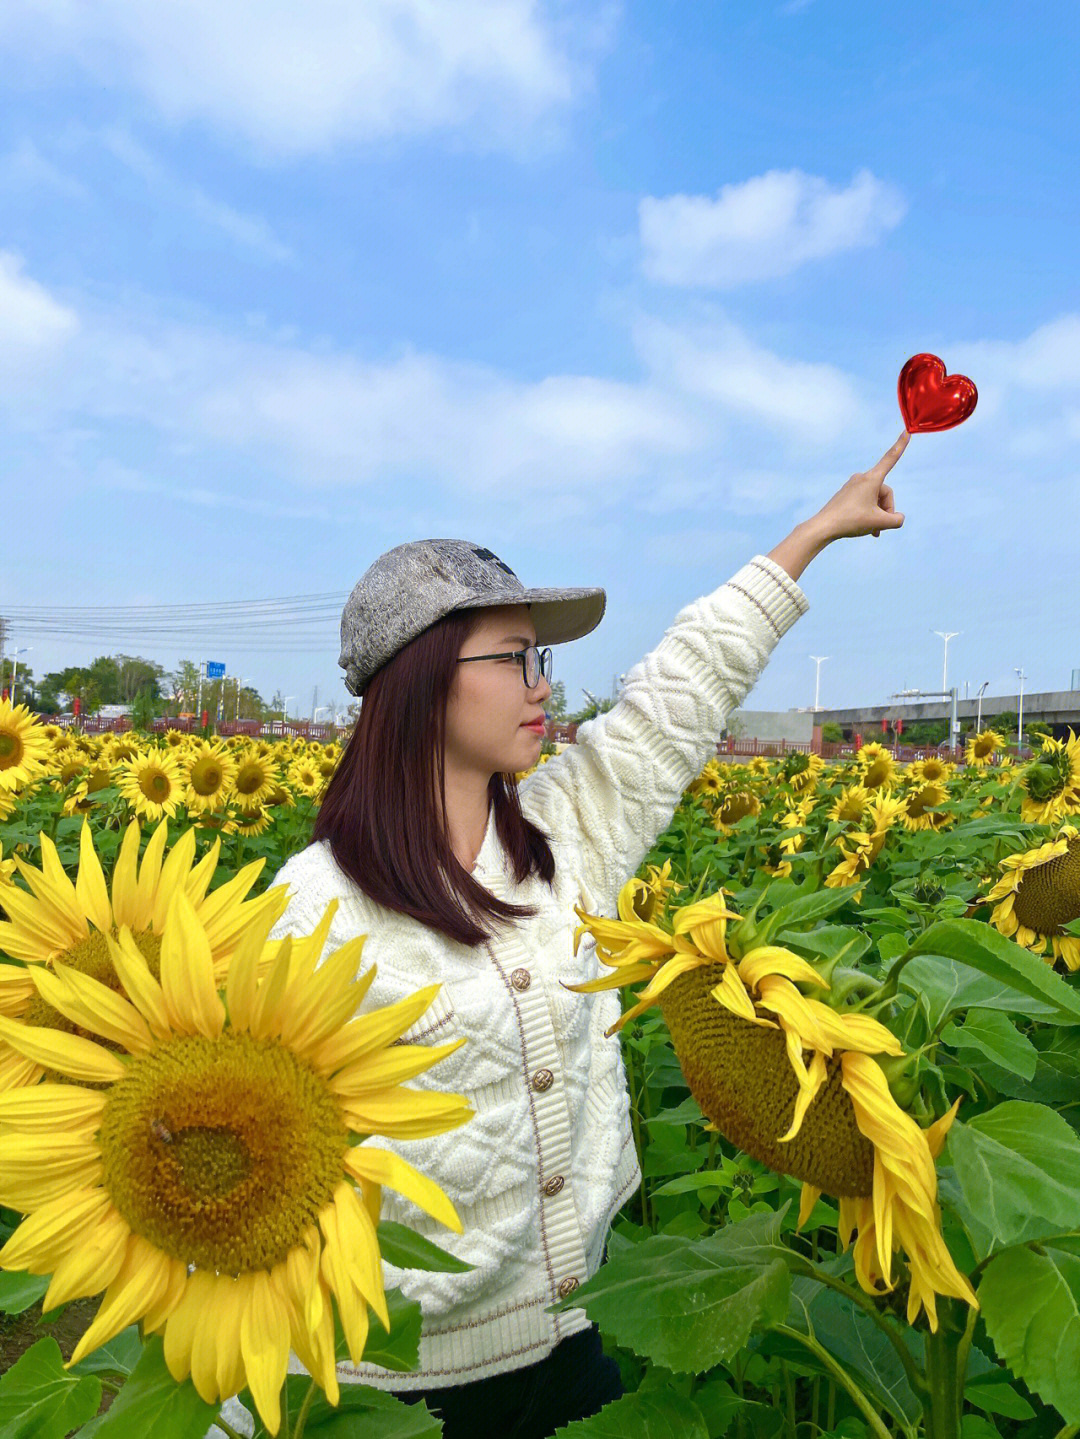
point(649, 1414)
point(18, 1291)
point(405, 1249)
point(688, 1183)
point(806, 909)
point(690, 1304)
point(40, 1400)
point(945, 987)
point(400, 1348)
point(362, 1413)
point(1031, 1306)
point(831, 941)
point(1018, 1167)
point(856, 1341)
point(151, 1402)
point(975, 943)
point(993, 1035)
point(998, 1397)
point(118, 1356)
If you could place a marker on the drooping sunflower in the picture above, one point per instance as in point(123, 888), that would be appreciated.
point(70, 924)
point(24, 748)
point(859, 850)
point(251, 822)
point(982, 747)
point(922, 808)
point(733, 807)
point(788, 1079)
point(760, 765)
point(877, 767)
point(210, 1188)
point(1038, 892)
point(152, 784)
point(1051, 782)
point(801, 771)
point(209, 770)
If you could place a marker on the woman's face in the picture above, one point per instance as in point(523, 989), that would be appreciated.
point(489, 705)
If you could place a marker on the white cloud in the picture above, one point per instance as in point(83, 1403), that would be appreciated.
point(722, 364)
point(32, 323)
point(24, 167)
point(294, 79)
point(763, 227)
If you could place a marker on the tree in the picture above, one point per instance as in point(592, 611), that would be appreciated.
point(556, 702)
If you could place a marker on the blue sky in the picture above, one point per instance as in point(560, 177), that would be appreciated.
point(621, 291)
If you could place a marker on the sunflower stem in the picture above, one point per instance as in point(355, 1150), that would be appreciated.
point(227, 1429)
point(842, 1377)
point(301, 1418)
point(943, 1405)
point(863, 1301)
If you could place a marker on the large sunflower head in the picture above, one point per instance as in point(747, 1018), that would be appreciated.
point(877, 768)
point(1038, 893)
point(982, 747)
point(921, 808)
point(931, 770)
point(1051, 782)
point(152, 784)
point(24, 748)
point(801, 771)
point(54, 921)
point(209, 770)
point(732, 807)
point(850, 805)
point(214, 1188)
point(256, 776)
point(788, 1078)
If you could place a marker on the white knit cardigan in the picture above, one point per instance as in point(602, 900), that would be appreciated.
point(541, 1169)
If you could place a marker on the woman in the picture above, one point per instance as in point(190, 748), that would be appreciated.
point(458, 876)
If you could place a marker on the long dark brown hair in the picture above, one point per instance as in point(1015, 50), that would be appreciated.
point(382, 810)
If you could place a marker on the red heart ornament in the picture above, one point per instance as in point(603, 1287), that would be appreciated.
point(932, 400)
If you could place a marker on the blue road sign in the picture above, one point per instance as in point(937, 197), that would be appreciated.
point(215, 670)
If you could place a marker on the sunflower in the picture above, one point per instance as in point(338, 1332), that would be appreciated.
point(982, 747)
point(8, 801)
point(877, 767)
point(211, 1187)
point(859, 850)
point(305, 778)
point(801, 771)
point(742, 1029)
point(69, 767)
point(152, 784)
point(1038, 892)
point(252, 822)
point(930, 770)
point(656, 890)
point(23, 746)
point(1051, 782)
point(121, 749)
point(69, 923)
point(850, 805)
point(175, 739)
point(256, 776)
point(921, 808)
point(760, 765)
point(732, 808)
point(210, 770)
point(7, 868)
point(792, 819)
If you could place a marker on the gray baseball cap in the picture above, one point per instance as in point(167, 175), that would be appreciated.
point(410, 587)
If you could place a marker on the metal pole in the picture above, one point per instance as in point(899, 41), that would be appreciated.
point(945, 670)
point(1020, 716)
point(198, 699)
point(978, 721)
point(819, 661)
point(954, 723)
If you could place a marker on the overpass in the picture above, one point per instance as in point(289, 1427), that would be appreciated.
point(1059, 709)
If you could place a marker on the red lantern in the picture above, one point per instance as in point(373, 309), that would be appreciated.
point(899, 726)
point(884, 726)
point(77, 706)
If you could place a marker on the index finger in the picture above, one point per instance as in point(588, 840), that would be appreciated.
point(890, 457)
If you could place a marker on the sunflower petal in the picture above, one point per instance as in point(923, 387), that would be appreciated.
point(381, 1167)
point(68, 1053)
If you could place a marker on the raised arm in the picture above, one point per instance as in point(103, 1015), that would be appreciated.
point(612, 792)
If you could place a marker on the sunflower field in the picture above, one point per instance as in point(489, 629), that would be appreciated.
point(851, 1031)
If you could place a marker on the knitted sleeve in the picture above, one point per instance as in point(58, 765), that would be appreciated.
point(609, 795)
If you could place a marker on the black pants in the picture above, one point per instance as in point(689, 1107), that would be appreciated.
point(575, 1380)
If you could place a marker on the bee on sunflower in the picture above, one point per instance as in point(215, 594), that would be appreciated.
point(790, 1080)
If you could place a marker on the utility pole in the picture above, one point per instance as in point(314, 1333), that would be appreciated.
point(978, 720)
point(945, 672)
point(1020, 716)
point(314, 702)
point(819, 660)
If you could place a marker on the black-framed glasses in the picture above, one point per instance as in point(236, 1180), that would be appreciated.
point(534, 663)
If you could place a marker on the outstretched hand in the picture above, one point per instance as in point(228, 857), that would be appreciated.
point(863, 506)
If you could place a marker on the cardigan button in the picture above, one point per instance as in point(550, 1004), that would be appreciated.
point(521, 979)
point(543, 1079)
point(567, 1286)
point(554, 1184)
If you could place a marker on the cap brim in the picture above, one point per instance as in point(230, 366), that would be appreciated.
point(559, 615)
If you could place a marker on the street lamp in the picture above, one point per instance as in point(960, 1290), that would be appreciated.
point(315, 713)
point(819, 660)
point(945, 671)
point(285, 708)
point(15, 669)
point(978, 720)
